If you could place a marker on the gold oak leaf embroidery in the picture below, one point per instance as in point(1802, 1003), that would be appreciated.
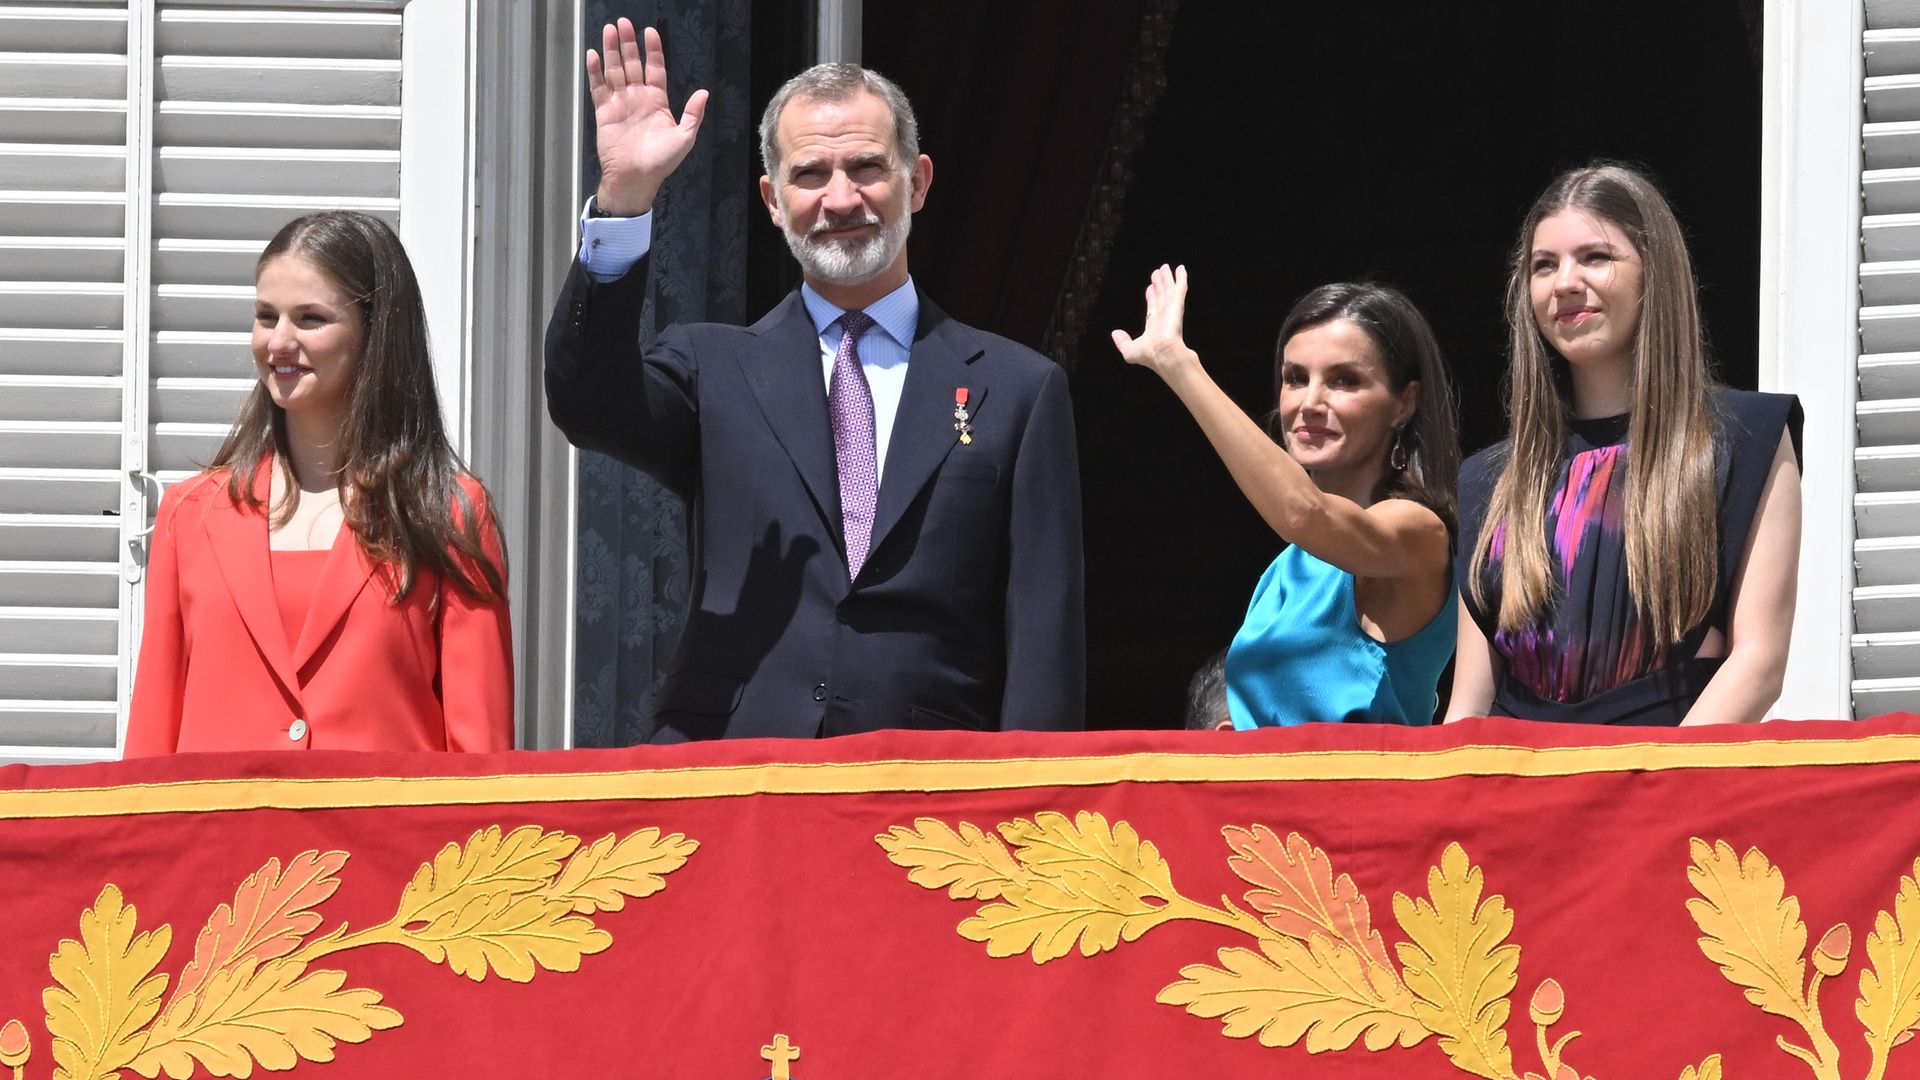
point(1052, 845)
point(1708, 1070)
point(1457, 967)
point(1295, 888)
point(1050, 914)
point(1889, 1003)
point(970, 864)
point(270, 914)
point(602, 875)
point(1320, 990)
point(1752, 927)
point(266, 1012)
point(107, 990)
point(509, 934)
point(520, 862)
point(1090, 883)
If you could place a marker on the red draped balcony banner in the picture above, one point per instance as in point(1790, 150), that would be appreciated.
point(1494, 899)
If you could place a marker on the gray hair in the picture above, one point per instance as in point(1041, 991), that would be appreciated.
point(840, 82)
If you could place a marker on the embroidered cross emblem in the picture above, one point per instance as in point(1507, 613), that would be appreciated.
point(781, 1053)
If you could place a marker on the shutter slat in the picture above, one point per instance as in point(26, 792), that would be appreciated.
point(262, 78)
point(1888, 468)
point(206, 262)
point(185, 447)
point(1892, 51)
point(78, 677)
point(65, 27)
point(1879, 514)
point(362, 35)
point(61, 490)
point(59, 724)
point(49, 258)
point(64, 213)
point(250, 217)
point(59, 584)
point(1883, 14)
point(1890, 375)
point(202, 401)
point(63, 120)
point(202, 307)
point(273, 124)
point(59, 167)
point(1889, 422)
point(59, 630)
point(1872, 697)
point(1888, 560)
point(1889, 283)
point(72, 75)
point(1885, 656)
point(61, 305)
point(1890, 328)
point(26, 351)
point(192, 354)
point(1891, 191)
point(50, 445)
point(1883, 609)
point(52, 398)
point(316, 173)
point(1893, 98)
point(40, 537)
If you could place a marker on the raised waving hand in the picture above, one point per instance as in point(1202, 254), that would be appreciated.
point(639, 141)
point(1162, 344)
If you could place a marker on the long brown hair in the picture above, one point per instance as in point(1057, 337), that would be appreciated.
point(1671, 540)
point(1411, 354)
point(399, 479)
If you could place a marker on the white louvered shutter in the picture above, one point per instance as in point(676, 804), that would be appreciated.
point(260, 116)
point(65, 359)
point(148, 150)
point(1886, 598)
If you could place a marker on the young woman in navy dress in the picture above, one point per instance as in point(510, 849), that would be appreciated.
point(1629, 555)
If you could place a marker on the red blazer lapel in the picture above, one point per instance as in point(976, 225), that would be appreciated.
point(346, 573)
point(237, 536)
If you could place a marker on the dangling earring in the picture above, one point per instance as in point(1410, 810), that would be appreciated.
point(1397, 457)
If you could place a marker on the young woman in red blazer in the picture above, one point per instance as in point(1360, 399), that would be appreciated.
point(335, 579)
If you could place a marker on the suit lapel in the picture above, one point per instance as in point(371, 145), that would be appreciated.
point(923, 432)
point(784, 373)
point(345, 573)
point(237, 536)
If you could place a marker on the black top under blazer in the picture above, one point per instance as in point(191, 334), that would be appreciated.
point(968, 612)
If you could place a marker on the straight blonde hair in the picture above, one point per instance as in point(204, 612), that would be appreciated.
point(1672, 542)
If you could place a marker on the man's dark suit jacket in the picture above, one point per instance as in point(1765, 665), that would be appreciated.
point(968, 611)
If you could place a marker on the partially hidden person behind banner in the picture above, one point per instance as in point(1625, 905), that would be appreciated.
point(1629, 555)
point(1207, 696)
point(886, 503)
point(1354, 619)
point(335, 578)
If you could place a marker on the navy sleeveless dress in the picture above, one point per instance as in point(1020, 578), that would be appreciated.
point(1590, 659)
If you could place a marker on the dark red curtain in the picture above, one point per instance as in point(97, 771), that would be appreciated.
point(1016, 104)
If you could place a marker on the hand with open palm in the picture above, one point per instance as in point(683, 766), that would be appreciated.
point(639, 141)
point(1161, 346)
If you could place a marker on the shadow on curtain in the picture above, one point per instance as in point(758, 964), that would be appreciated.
point(632, 546)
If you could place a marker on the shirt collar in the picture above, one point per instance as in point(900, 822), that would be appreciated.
point(898, 312)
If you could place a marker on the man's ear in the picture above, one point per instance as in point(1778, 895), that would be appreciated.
point(920, 178)
point(773, 204)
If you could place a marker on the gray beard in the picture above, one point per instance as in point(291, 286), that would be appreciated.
point(840, 262)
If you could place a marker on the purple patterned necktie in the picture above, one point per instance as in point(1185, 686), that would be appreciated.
point(850, 403)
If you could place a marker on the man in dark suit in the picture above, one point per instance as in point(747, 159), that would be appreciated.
point(886, 502)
